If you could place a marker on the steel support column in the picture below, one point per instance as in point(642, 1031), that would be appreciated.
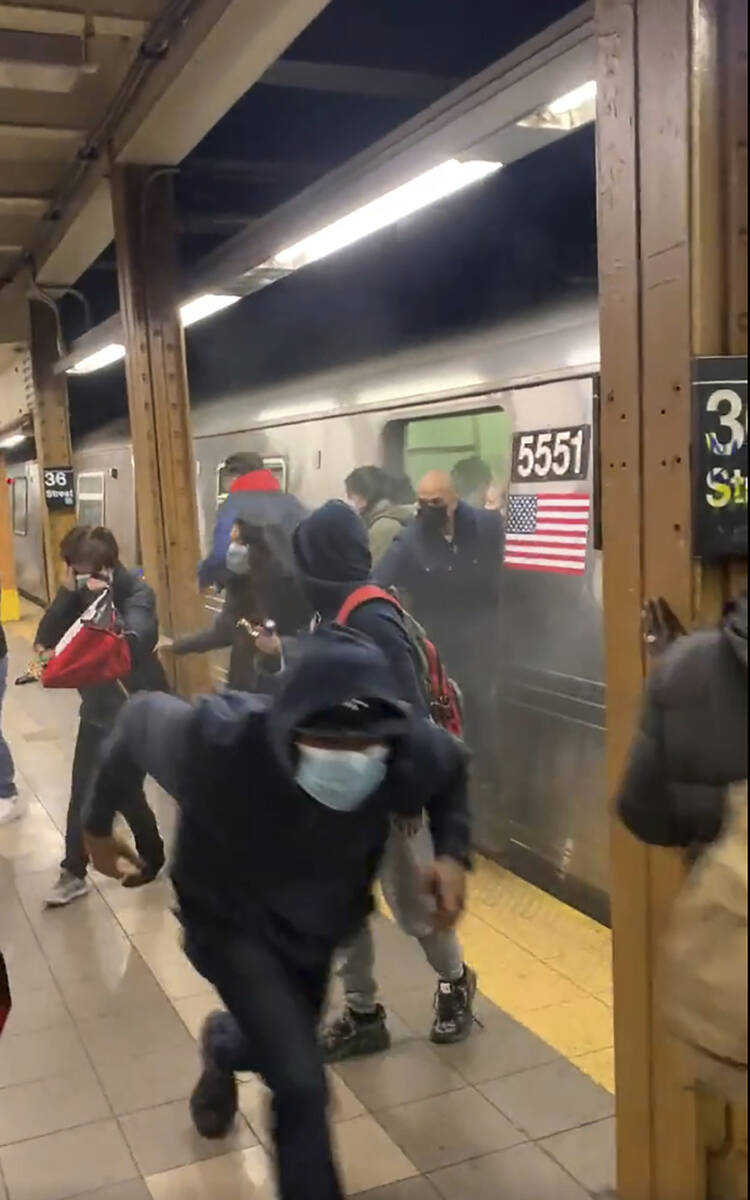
point(668, 291)
point(145, 236)
point(51, 428)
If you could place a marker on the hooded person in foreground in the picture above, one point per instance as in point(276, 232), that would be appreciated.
point(333, 561)
point(285, 810)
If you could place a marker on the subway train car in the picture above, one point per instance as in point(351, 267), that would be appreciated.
point(522, 396)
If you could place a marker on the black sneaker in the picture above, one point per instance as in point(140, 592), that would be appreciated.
point(214, 1103)
point(355, 1035)
point(454, 1009)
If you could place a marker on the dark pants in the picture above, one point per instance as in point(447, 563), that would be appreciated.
point(274, 999)
point(136, 810)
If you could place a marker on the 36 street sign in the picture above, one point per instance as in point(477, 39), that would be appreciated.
point(719, 462)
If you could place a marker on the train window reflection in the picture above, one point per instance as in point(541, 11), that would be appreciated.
point(20, 503)
point(474, 447)
point(91, 497)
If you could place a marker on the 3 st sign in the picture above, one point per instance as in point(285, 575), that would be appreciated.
point(720, 457)
point(550, 455)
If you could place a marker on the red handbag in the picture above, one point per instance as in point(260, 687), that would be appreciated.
point(5, 1004)
point(92, 651)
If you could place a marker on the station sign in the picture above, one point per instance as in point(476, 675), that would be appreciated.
point(59, 488)
point(719, 461)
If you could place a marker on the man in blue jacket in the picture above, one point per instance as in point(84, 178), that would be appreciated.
point(285, 811)
point(255, 498)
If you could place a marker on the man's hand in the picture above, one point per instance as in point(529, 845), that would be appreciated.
point(445, 879)
point(115, 857)
point(268, 644)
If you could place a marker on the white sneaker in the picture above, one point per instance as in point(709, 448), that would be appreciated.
point(68, 888)
point(13, 808)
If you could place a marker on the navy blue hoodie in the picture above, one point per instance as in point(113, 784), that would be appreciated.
point(332, 554)
point(254, 851)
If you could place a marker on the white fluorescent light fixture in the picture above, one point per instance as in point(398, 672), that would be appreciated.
point(436, 184)
point(567, 112)
point(585, 94)
point(13, 439)
point(204, 306)
point(112, 353)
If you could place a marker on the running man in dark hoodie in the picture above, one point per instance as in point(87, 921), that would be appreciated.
point(285, 811)
point(333, 560)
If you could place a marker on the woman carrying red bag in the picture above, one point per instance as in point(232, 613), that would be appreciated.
point(92, 562)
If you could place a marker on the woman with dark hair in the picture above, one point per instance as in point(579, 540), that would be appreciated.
point(92, 563)
point(372, 492)
point(261, 585)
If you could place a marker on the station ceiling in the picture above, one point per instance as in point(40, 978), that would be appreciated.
point(251, 101)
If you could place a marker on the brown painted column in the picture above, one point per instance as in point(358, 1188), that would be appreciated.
point(158, 399)
point(51, 429)
point(664, 71)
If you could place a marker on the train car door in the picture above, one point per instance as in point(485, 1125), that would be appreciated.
point(553, 821)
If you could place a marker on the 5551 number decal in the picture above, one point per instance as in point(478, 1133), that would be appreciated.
point(551, 454)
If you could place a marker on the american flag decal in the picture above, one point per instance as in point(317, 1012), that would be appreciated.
point(547, 533)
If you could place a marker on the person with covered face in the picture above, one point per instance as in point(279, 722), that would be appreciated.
point(285, 809)
point(92, 563)
point(260, 586)
point(447, 566)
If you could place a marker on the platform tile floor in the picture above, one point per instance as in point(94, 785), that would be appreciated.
point(99, 1056)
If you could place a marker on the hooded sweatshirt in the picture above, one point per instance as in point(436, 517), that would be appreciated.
point(693, 738)
point(254, 851)
point(257, 499)
point(332, 554)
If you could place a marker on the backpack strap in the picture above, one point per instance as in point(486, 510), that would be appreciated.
point(361, 595)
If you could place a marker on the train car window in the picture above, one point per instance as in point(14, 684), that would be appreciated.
point(91, 497)
point(277, 467)
point(20, 504)
point(474, 446)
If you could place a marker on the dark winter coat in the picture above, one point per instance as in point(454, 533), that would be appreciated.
point(257, 499)
point(332, 554)
point(135, 603)
point(451, 587)
point(693, 738)
point(254, 851)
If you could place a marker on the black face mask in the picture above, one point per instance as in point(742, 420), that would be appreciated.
point(433, 517)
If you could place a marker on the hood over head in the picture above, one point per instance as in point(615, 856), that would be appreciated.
point(332, 554)
point(337, 670)
point(258, 480)
point(735, 627)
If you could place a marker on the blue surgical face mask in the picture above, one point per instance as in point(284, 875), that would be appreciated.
point(341, 779)
point(238, 559)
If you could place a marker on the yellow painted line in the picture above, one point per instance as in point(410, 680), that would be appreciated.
point(10, 605)
point(545, 964)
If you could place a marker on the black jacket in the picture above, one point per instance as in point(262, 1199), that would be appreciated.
point(254, 848)
point(136, 606)
point(332, 553)
point(451, 587)
point(693, 738)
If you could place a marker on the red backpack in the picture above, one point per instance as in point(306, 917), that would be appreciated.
point(441, 694)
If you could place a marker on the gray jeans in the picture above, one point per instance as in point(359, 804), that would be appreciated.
point(405, 856)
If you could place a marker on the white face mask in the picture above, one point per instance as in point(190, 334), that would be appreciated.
point(341, 779)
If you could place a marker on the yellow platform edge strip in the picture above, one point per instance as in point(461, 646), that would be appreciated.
point(545, 964)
